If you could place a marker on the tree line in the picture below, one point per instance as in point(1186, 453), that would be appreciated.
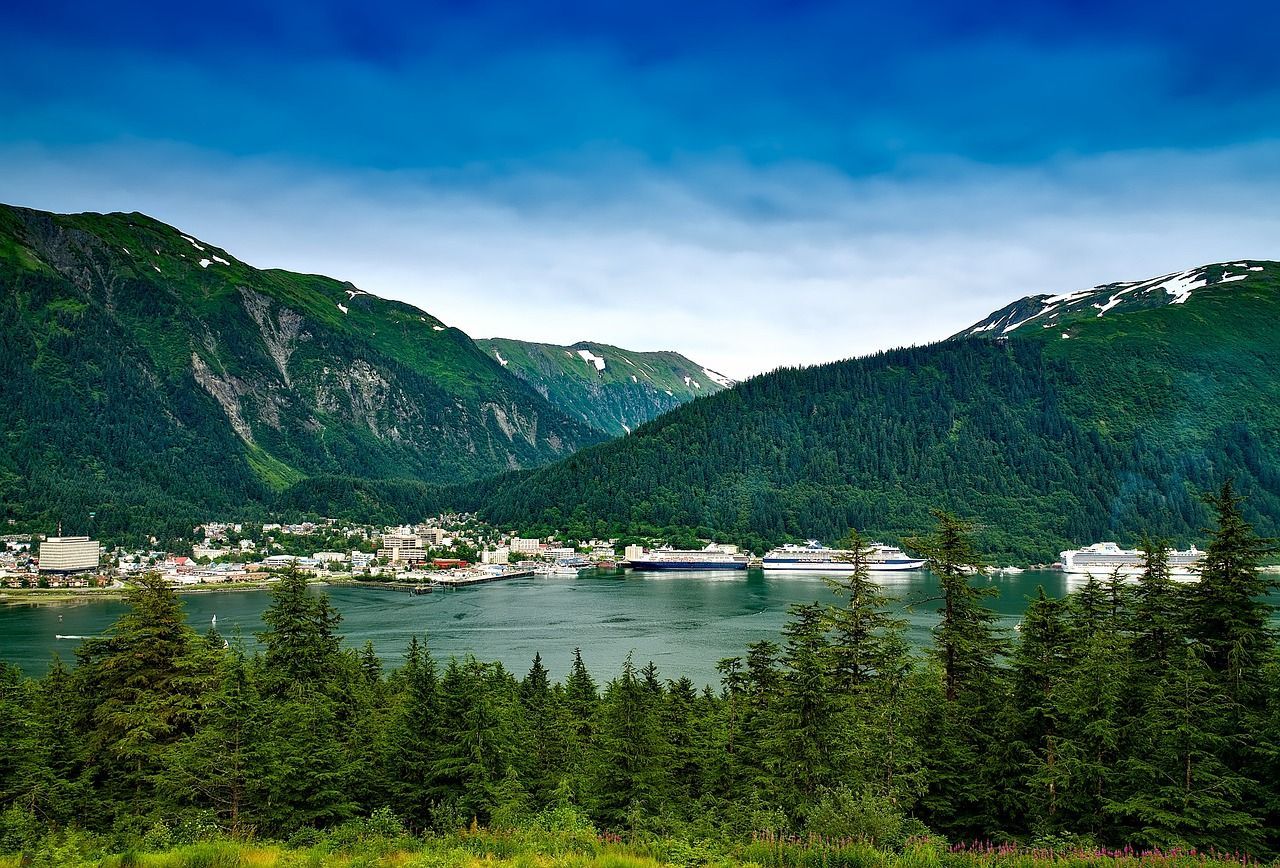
point(1144, 713)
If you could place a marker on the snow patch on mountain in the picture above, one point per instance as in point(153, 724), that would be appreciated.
point(592, 359)
point(194, 243)
point(718, 379)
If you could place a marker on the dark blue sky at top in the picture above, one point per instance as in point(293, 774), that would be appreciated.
point(866, 88)
point(886, 172)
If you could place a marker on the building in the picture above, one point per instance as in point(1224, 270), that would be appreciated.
point(360, 560)
point(523, 546)
point(328, 557)
point(431, 535)
point(69, 554)
point(633, 552)
point(402, 547)
point(499, 555)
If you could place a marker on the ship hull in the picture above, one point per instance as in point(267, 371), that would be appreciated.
point(840, 567)
point(1100, 571)
point(686, 565)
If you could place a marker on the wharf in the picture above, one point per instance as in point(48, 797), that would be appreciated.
point(478, 579)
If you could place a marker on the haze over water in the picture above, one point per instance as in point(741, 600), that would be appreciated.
point(683, 622)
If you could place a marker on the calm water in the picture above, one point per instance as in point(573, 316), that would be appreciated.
point(683, 622)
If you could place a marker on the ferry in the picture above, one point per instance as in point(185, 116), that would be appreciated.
point(713, 557)
point(814, 557)
point(1105, 558)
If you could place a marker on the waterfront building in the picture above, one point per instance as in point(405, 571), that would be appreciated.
point(69, 554)
point(402, 546)
point(360, 560)
point(499, 555)
point(525, 546)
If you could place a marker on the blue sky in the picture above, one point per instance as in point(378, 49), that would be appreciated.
point(751, 183)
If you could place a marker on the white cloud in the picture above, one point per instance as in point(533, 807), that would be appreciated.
point(742, 268)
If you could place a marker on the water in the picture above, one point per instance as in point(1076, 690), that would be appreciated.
point(683, 621)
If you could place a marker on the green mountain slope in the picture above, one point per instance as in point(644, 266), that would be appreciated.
point(146, 374)
point(1046, 441)
point(612, 389)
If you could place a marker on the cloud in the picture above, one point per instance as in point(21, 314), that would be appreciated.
point(741, 267)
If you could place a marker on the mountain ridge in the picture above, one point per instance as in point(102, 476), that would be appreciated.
point(579, 379)
point(1046, 442)
point(246, 381)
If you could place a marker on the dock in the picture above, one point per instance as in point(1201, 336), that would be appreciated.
point(479, 579)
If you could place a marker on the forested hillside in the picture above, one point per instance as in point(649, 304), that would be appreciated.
point(1046, 437)
point(1141, 715)
point(150, 380)
point(612, 389)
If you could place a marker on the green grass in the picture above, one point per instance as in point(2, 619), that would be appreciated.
point(524, 849)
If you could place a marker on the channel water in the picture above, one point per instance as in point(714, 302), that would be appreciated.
point(682, 621)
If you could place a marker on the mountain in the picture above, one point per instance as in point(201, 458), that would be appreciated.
point(611, 389)
point(148, 376)
point(1045, 441)
point(1062, 311)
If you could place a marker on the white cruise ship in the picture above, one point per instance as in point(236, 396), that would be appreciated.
point(1103, 559)
point(713, 557)
point(817, 558)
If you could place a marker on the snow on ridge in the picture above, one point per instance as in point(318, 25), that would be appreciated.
point(157, 268)
point(204, 263)
point(1229, 278)
point(633, 379)
point(592, 359)
point(193, 243)
point(1181, 285)
point(497, 355)
point(220, 259)
point(718, 379)
point(625, 427)
point(342, 307)
point(1111, 302)
point(1255, 268)
point(437, 328)
point(126, 250)
point(1068, 297)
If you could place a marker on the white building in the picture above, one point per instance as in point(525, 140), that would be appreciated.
point(402, 547)
point(328, 557)
point(523, 546)
point(69, 554)
point(360, 560)
point(499, 555)
point(633, 552)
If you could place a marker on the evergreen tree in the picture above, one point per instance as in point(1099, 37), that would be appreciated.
point(141, 686)
point(1232, 613)
point(862, 631)
point(216, 763)
point(630, 754)
point(301, 639)
point(416, 731)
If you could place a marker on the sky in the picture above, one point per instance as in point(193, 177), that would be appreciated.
point(753, 184)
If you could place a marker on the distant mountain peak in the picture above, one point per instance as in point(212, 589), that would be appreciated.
point(611, 388)
point(1056, 311)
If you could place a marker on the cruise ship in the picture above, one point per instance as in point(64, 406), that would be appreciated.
point(713, 557)
point(1105, 558)
point(817, 558)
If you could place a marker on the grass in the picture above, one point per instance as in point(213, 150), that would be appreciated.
point(536, 850)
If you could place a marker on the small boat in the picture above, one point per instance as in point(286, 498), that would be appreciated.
point(421, 590)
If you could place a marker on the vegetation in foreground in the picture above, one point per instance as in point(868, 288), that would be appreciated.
point(380, 840)
point(1139, 715)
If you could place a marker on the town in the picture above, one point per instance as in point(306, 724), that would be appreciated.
point(448, 550)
